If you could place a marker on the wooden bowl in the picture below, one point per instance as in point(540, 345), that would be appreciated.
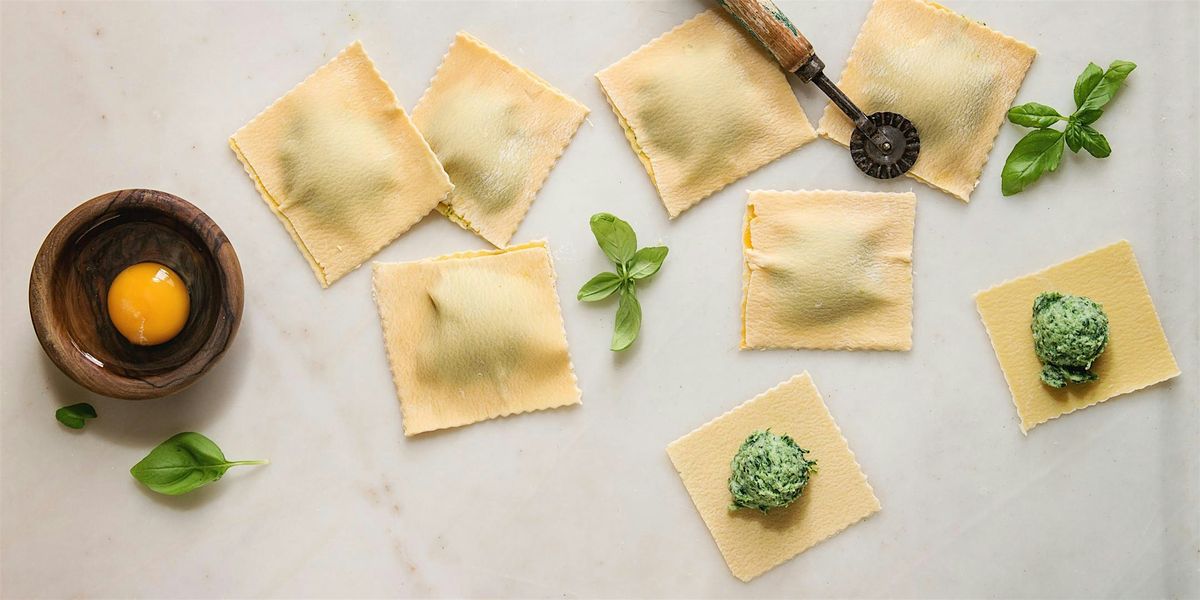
point(68, 292)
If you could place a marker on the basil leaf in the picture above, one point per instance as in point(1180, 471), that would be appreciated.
point(1087, 116)
point(1092, 74)
point(616, 237)
point(75, 415)
point(1074, 139)
point(646, 262)
point(1108, 85)
point(185, 462)
point(600, 287)
point(619, 243)
point(629, 320)
point(1032, 114)
point(1038, 152)
point(1094, 142)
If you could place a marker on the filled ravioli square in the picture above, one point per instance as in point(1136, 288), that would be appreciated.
point(953, 77)
point(828, 270)
point(340, 163)
point(498, 130)
point(703, 106)
point(1135, 355)
point(474, 336)
point(835, 496)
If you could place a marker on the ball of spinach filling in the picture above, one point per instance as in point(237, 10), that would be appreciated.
point(769, 471)
point(1069, 333)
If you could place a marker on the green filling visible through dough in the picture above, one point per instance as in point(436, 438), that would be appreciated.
point(479, 140)
point(707, 144)
point(768, 471)
point(479, 331)
point(699, 112)
point(338, 169)
point(1069, 333)
point(800, 270)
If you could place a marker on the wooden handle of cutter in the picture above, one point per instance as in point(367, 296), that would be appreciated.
point(774, 30)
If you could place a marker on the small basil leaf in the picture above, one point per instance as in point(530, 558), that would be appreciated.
point(600, 287)
point(616, 237)
point(75, 415)
point(1108, 85)
point(1032, 114)
point(1094, 142)
point(185, 462)
point(647, 261)
point(1074, 140)
point(1087, 116)
point(629, 320)
point(1087, 81)
point(1038, 152)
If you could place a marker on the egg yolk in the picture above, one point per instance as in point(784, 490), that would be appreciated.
point(148, 303)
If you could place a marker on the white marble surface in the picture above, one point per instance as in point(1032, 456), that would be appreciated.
point(583, 501)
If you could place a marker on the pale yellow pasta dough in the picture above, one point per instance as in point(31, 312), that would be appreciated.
point(498, 130)
point(836, 497)
point(474, 336)
point(1137, 354)
point(341, 165)
point(952, 77)
point(703, 106)
point(828, 269)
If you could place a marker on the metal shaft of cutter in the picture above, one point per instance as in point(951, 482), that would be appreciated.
point(861, 122)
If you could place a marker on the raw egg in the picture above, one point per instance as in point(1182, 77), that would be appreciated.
point(148, 303)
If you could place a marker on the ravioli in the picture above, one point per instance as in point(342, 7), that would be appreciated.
point(474, 336)
point(828, 270)
point(703, 106)
point(341, 165)
point(1136, 356)
point(836, 497)
point(498, 130)
point(952, 77)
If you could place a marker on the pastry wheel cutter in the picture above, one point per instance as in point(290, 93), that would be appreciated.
point(884, 144)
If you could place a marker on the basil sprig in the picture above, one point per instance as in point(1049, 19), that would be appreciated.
point(619, 243)
point(1041, 151)
point(75, 416)
point(185, 462)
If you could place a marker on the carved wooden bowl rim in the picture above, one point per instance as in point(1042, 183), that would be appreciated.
point(53, 333)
